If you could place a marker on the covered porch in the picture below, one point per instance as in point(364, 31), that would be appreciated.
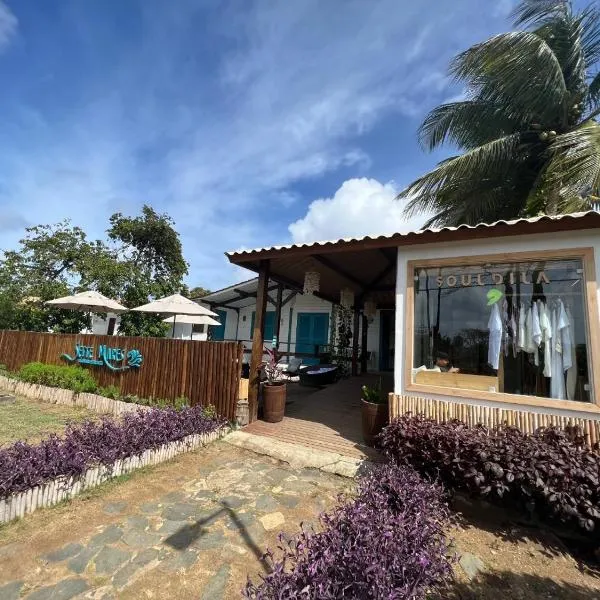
point(326, 419)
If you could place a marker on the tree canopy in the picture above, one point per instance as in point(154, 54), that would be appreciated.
point(527, 128)
point(140, 259)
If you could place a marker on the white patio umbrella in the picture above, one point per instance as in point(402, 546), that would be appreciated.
point(175, 305)
point(191, 319)
point(88, 301)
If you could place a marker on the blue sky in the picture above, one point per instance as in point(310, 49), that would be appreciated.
point(250, 122)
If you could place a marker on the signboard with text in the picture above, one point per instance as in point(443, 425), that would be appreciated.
point(115, 359)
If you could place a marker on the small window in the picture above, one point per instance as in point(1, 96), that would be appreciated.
point(515, 328)
point(112, 322)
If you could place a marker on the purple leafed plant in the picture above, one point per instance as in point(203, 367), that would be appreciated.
point(551, 474)
point(23, 465)
point(386, 542)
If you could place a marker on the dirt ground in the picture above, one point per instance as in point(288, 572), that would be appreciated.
point(517, 562)
point(30, 420)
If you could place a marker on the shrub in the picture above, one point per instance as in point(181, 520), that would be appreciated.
point(387, 542)
point(551, 474)
point(110, 391)
point(23, 465)
point(70, 377)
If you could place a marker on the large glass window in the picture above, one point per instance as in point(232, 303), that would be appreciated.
point(517, 328)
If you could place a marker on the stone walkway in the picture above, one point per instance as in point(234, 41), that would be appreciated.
point(192, 528)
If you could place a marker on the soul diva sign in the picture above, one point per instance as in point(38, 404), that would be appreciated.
point(469, 279)
point(115, 359)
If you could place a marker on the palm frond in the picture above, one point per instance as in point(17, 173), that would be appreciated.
point(538, 12)
point(594, 91)
point(516, 68)
point(574, 165)
point(468, 124)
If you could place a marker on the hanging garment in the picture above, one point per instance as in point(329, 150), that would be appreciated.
point(529, 345)
point(505, 327)
point(565, 330)
point(572, 372)
point(536, 333)
point(515, 334)
point(495, 340)
point(557, 384)
point(522, 318)
point(546, 327)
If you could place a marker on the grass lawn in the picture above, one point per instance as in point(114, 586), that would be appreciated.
point(30, 420)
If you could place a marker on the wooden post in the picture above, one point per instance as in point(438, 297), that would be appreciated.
point(363, 349)
point(257, 339)
point(355, 332)
point(278, 302)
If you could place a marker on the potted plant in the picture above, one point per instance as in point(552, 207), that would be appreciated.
point(375, 413)
point(274, 390)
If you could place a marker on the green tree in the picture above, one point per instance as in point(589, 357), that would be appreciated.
point(197, 292)
point(528, 128)
point(150, 250)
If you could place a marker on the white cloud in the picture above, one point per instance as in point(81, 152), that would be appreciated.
point(8, 25)
point(359, 207)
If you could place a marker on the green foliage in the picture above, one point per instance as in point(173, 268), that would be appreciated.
point(110, 391)
point(69, 377)
point(141, 259)
point(528, 127)
point(196, 292)
point(374, 393)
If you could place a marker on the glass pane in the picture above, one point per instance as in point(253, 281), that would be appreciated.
point(518, 328)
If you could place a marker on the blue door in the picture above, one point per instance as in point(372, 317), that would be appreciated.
point(269, 326)
point(218, 331)
point(312, 329)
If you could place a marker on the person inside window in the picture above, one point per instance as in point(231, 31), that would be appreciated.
point(442, 362)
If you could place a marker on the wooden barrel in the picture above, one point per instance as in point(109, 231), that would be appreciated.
point(374, 419)
point(274, 402)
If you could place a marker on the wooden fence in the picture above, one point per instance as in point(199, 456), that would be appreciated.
point(204, 372)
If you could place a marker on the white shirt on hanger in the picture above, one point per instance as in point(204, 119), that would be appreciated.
point(495, 341)
point(546, 328)
point(557, 383)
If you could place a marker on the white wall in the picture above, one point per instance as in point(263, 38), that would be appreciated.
point(100, 324)
point(476, 248)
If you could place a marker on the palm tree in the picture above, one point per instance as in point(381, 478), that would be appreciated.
point(527, 130)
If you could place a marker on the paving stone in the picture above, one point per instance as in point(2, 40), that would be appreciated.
point(210, 540)
point(69, 588)
point(240, 520)
point(44, 593)
point(11, 591)
point(110, 535)
point(170, 527)
point(110, 559)
point(185, 536)
point(472, 565)
point(114, 508)
point(124, 575)
point(204, 495)
point(173, 497)
point(179, 511)
point(151, 507)
point(140, 539)
point(215, 588)
point(63, 553)
point(302, 487)
point(81, 561)
point(266, 503)
point(146, 557)
point(276, 476)
point(233, 501)
point(272, 521)
point(136, 522)
point(181, 560)
point(288, 501)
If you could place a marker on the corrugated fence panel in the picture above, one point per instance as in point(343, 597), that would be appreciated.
point(205, 372)
point(527, 421)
